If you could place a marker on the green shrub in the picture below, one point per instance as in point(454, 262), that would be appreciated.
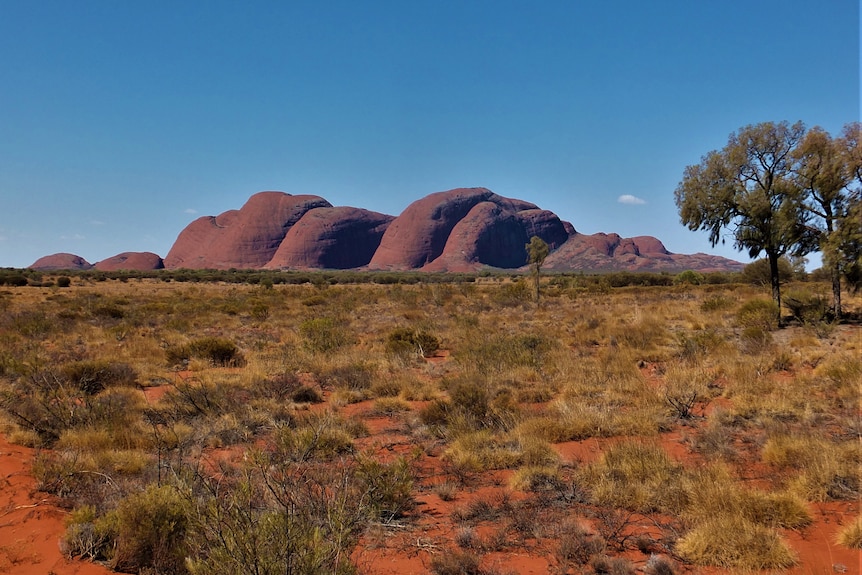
point(260, 311)
point(151, 531)
point(689, 277)
point(757, 272)
point(64, 281)
point(88, 536)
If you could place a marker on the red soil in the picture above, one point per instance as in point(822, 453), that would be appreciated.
point(30, 522)
point(31, 525)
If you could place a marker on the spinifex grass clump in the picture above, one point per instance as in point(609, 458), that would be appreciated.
point(732, 541)
point(406, 341)
point(218, 351)
point(851, 534)
point(637, 476)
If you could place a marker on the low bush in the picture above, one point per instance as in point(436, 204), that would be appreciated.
point(612, 565)
point(807, 307)
point(91, 377)
point(323, 334)
point(407, 341)
point(689, 277)
point(456, 562)
point(717, 302)
point(577, 545)
point(388, 486)
point(87, 536)
point(218, 351)
point(758, 313)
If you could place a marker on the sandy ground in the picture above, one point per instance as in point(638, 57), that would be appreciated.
point(31, 524)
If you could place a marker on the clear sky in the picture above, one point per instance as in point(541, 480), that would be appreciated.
point(122, 121)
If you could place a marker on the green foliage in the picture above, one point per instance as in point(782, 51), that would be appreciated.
point(64, 281)
point(88, 536)
point(537, 251)
point(757, 272)
point(151, 531)
point(689, 277)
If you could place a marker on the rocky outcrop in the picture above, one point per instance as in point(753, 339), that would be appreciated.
point(132, 261)
point(61, 261)
point(244, 238)
point(331, 238)
point(464, 229)
point(610, 252)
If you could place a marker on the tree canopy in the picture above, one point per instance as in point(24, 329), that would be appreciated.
point(537, 251)
point(779, 189)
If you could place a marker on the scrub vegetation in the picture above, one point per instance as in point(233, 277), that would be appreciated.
point(214, 426)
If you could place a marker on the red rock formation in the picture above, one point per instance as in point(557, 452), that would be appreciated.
point(458, 230)
point(331, 238)
point(610, 252)
point(464, 229)
point(648, 245)
point(138, 261)
point(245, 238)
point(61, 261)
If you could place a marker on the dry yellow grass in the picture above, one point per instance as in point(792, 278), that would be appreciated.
point(510, 380)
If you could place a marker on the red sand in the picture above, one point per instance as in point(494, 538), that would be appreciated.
point(31, 524)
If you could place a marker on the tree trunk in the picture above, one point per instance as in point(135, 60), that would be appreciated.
point(776, 282)
point(536, 269)
point(836, 292)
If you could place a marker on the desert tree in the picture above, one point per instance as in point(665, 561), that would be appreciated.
point(748, 188)
point(846, 242)
point(823, 170)
point(537, 251)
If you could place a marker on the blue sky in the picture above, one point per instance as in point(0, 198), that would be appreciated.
point(121, 122)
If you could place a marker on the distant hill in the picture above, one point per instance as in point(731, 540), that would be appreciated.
point(465, 229)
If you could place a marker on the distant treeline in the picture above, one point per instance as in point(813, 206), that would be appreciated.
point(267, 278)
